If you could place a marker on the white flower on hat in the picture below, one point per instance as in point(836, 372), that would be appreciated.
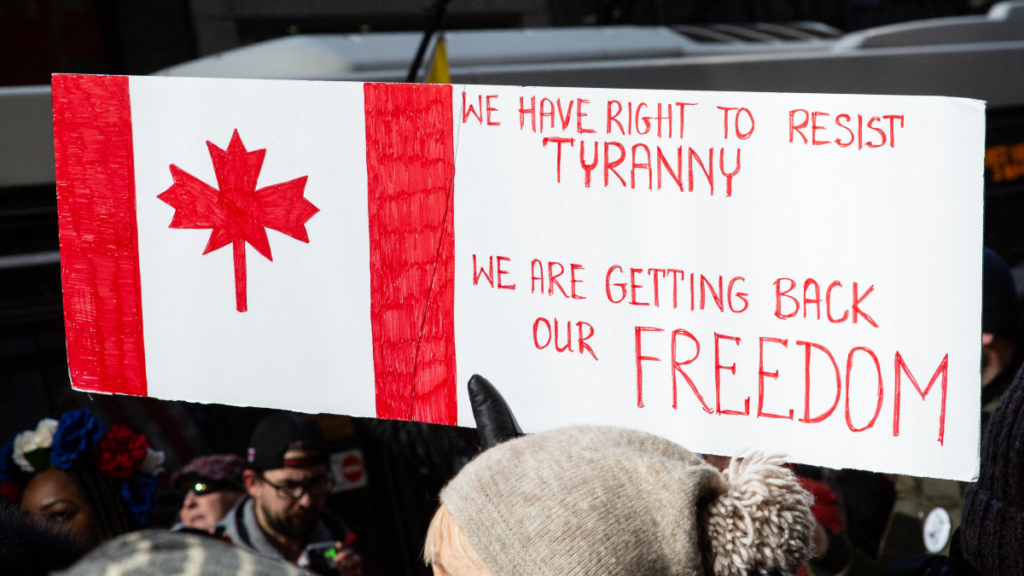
point(31, 440)
point(154, 462)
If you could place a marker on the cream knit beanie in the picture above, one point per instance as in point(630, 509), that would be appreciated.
point(596, 501)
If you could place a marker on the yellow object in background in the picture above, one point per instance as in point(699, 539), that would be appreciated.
point(1005, 162)
point(439, 73)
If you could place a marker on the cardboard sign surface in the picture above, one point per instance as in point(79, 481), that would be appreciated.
point(795, 273)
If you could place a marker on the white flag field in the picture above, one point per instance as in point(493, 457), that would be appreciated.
point(791, 273)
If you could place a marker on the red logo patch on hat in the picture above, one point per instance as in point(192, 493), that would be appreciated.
point(251, 455)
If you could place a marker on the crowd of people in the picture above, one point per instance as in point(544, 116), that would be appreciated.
point(82, 483)
point(77, 495)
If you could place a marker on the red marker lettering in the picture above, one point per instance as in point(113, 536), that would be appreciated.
point(479, 271)
point(471, 112)
point(523, 111)
point(502, 273)
point(678, 367)
point(608, 285)
point(718, 380)
point(558, 142)
point(857, 300)
point(880, 393)
point(807, 383)
point(794, 127)
point(580, 115)
point(943, 371)
point(780, 294)
point(761, 374)
point(640, 358)
point(490, 109)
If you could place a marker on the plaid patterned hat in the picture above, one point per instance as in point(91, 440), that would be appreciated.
point(218, 467)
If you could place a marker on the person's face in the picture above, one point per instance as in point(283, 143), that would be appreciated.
point(203, 511)
point(996, 354)
point(53, 498)
point(290, 499)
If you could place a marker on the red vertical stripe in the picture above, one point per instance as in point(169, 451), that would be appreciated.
point(99, 246)
point(410, 166)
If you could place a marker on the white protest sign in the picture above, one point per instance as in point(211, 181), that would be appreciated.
point(795, 273)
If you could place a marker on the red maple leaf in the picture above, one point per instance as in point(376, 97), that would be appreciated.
point(238, 212)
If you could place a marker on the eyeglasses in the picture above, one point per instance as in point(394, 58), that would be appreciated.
point(294, 491)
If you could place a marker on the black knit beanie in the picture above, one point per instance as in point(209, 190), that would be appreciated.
point(998, 297)
point(992, 530)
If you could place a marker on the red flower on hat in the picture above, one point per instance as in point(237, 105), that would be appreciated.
point(120, 452)
point(10, 491)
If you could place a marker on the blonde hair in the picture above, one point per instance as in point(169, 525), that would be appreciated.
point(444, 532)
point(442, 528)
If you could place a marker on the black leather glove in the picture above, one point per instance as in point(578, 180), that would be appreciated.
point(495, 422)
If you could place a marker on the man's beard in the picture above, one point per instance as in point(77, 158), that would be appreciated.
point(289, 526)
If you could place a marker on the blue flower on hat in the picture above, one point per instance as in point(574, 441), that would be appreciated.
point(77, 432)
point(8, 469)
point(139, 493)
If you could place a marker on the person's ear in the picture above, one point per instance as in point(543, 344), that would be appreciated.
point(251, 481)
point(495, 422)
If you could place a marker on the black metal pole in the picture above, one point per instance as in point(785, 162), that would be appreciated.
point(436, 15)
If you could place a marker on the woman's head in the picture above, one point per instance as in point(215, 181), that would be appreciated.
point(588, 500)
point(447, 549)
point(209, 486)
point(83, 477)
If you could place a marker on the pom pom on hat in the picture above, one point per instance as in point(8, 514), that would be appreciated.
point(762, 523)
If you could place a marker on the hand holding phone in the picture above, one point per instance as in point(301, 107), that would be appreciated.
point(334, 559)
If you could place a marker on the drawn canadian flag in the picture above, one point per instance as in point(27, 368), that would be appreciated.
point(203, 223)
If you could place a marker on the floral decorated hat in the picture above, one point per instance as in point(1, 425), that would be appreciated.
point(118, 453)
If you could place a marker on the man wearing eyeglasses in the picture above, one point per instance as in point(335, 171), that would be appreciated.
point(283, 516)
